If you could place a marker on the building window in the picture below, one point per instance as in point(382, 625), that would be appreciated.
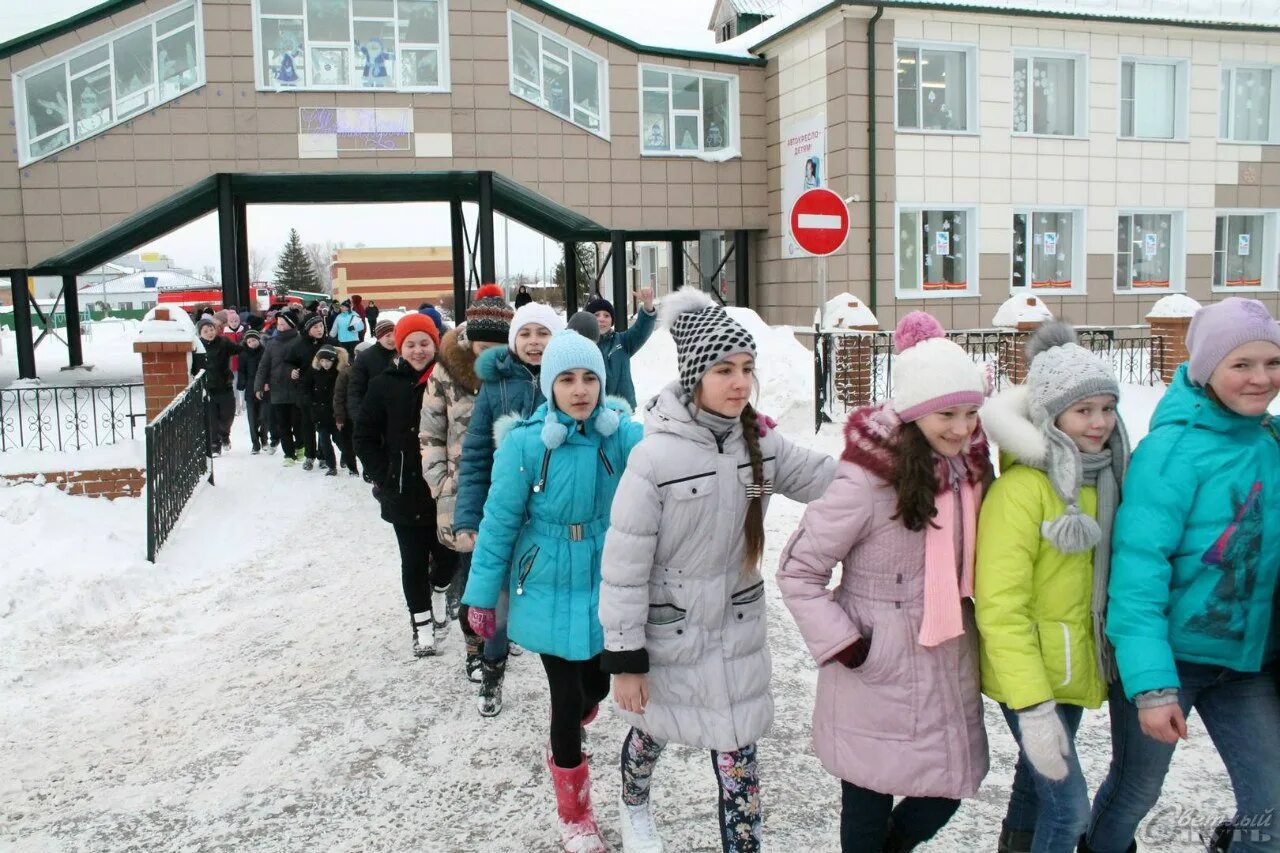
point(1149, 252)
point(1153, 98)
point(1048, 251)
point(552, 72)
point(99, 84)
point(1250, 105)
point(1244, 252)
point(400, 45)
point(936, 88)
point(686, 112)
point(726, 31)
point(124, 306)
point(1049, 95)
point(935, 257)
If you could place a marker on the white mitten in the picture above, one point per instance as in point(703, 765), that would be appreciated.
point(1044, 740)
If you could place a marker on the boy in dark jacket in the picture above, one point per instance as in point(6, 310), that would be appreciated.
point(273, 379)
point(372, 361)
point(299, 358)
point(323, 380)
point(250, 358)
point(215, 361)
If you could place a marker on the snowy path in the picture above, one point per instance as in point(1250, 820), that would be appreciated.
point(254, 692)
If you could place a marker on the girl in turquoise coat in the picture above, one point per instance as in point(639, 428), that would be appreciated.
point(1193, 583)
point(541, 537)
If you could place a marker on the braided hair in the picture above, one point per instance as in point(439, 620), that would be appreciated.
point(754, 526)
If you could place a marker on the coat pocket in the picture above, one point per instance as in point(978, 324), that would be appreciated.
point(524, 567)
point(1056, 652)
point(879, 698)
point(668, 637)
point(746, 632)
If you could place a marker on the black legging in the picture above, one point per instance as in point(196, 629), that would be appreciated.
point(305, 424)
point(288, 423)
point(576, 687)
point(419, 572)
point(864, 818)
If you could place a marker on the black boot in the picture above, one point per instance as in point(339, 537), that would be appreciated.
point(424, 639)
point(1083, 846)
point(490, 698)
point(1014, 841)
point(1220, 840)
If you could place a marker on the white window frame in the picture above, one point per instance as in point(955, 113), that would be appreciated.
point(1082, 92)
point(733, 143)
point(1181, 94)
point(1230, 69)
point(973, 124)
point(1177, 252)
point(1270, 250)
point(971, 264)
point(262, 85)
point(1079, 284)
point(545, 35)
point(21, 77)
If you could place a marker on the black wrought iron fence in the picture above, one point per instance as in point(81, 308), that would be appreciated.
point(177, 457)
point(853, 368)
point(70, 417)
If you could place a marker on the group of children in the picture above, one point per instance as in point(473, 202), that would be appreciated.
point(531, 506)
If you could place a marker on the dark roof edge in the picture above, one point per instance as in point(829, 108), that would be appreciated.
point(1019, 13)
point(109, 7)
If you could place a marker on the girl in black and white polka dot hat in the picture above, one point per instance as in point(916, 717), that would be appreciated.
point(682, 598)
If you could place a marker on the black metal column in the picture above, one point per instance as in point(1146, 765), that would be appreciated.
point(742, 269)
point(677, 264)
point(22, 324)
point(619, 260)
point(71, 299)
point(227, 238)
point(484, 225)
point(244, 287)
point(570, 278)
point(457, 226)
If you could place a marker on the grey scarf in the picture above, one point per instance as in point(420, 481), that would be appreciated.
point(1100, 471)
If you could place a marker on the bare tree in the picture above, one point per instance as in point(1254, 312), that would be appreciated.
point(208, 273)
point(259, 263)
point(321, 255)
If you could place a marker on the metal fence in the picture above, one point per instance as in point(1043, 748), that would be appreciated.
point(70, 417)
point(853, 368)
point(177, 457)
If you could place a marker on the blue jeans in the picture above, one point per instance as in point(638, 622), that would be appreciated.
point(1241, 711)
point(1056, 812)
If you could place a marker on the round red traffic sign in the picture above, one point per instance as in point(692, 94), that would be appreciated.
point(820, 221)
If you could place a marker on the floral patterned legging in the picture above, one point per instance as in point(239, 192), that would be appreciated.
point(741, 820)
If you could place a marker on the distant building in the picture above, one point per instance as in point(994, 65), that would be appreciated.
point(137, 291)
point(732, 18)
point(395, 277)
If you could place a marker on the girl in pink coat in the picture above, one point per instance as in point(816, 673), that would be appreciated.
point(899, 711)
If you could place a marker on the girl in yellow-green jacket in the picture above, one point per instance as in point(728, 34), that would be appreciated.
point(1043, 563)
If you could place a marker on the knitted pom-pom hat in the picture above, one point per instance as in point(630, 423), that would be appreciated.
point(704, 333)
point(567, 351)
point(489, 315)
point(931, 373)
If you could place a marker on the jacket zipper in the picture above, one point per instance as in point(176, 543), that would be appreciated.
point(605, 460)
point(401, 478)
point(1066, 644)
point(526, 566)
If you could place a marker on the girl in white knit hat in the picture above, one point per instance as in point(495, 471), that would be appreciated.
point(898, 711)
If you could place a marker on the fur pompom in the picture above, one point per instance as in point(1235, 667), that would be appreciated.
point(553, 432)
point(489, 290)
point(1048, 336)
point(915, 327)
point(686, 299)
point(607, 421)
point(1072, 532)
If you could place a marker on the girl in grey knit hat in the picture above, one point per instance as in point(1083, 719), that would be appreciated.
point(1043, 564)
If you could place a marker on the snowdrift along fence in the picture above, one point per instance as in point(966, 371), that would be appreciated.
point(177, 457)
point(56, 418)
point(853, 368)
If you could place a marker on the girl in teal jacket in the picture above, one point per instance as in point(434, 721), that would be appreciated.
point(542, 536)
point(1193, 581)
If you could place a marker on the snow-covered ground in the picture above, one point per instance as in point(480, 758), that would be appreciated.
point(107, 346)
point(253, 690)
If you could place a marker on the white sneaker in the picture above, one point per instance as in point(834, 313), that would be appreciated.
point(440, 627)
point(639, 835)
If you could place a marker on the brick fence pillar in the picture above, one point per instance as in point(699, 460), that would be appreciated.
point(1011, 354)
point(165, 368)
point(1169, 345)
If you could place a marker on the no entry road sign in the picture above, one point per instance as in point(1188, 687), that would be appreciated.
point(820, 221)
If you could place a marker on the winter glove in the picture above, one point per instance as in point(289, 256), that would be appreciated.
point(483, 620)
point(1044, 740)
point(764, 423)
point(855, 654)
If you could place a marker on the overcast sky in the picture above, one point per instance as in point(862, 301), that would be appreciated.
point(666, 22)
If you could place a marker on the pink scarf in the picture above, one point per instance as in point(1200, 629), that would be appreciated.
point(942, 589)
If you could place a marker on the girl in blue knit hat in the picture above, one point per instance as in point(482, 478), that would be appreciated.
point(541, 537)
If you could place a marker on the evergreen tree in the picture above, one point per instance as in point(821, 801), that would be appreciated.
point(294, 270)
point(586, 271)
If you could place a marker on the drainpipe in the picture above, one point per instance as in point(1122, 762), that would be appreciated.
point(872, 218)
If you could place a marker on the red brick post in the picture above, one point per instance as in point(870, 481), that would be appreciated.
point(1012, 356)
point(1168, 344)
point(165, 369)
point(853, 364)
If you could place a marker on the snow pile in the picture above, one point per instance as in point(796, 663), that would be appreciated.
point(846, 311)
point(1173, 306)
point(177, 329)
point(1021, 309)
point(125, 454)
point(108, 356)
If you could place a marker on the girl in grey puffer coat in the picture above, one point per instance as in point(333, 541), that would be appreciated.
point(682, 599)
